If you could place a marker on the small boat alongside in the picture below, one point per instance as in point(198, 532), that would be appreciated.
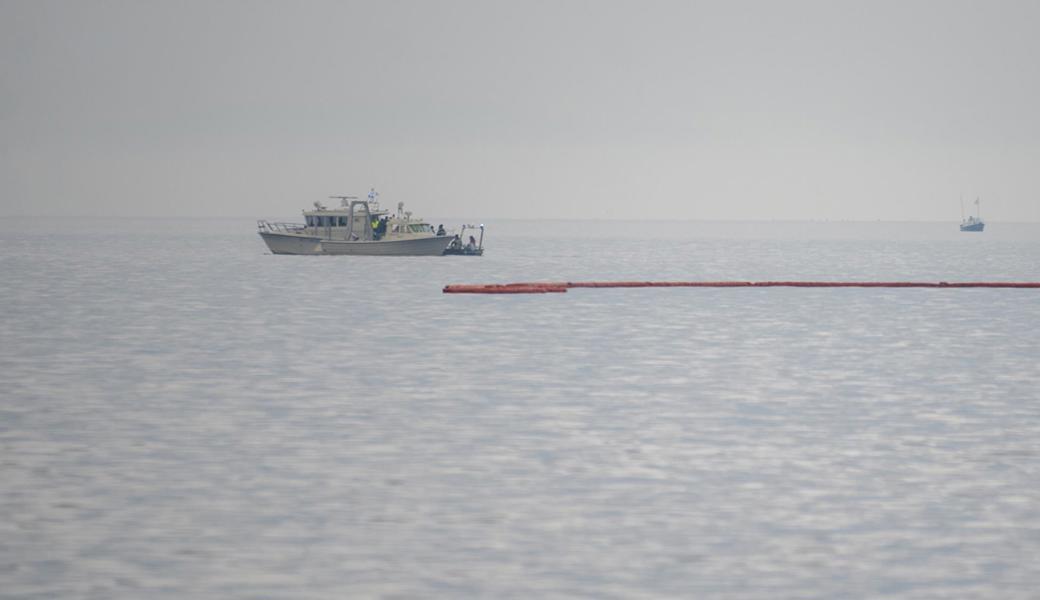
point(357, 227)
point(972, 223)
point(471, 247)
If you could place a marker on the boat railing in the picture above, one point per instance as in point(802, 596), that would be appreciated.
point(268, 227)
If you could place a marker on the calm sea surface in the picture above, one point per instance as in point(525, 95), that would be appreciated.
point(183, 415)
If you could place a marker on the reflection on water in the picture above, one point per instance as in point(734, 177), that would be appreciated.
point(186, 416)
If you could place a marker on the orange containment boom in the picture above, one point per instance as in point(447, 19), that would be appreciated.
point(547, 287)
point(506, 288)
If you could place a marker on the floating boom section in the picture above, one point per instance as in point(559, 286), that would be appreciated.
point(507, 288)
point(550, 287)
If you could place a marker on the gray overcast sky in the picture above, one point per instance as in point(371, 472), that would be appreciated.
point(556, 109)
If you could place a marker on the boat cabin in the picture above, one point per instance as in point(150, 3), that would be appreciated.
point(363, 220)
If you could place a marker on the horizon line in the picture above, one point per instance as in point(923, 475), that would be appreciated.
point(541, 219)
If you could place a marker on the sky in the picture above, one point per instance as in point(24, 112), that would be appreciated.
point(563, 109)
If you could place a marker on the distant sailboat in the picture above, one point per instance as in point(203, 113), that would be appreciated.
point(972, 223)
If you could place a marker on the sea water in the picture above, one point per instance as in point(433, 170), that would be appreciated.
point(185, 415)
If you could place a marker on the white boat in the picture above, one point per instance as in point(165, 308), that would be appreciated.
point(356, 227)
point(972, 223)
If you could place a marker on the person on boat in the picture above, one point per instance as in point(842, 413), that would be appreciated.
point(440, 229)
point(472, 245)
point(375, 228)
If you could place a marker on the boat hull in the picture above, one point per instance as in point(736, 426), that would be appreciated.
point(309, 245)
point(285, 243)
point(288, 243)
point(424, 246)
point(973, 227)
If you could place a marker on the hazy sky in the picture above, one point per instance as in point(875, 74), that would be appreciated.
point(557, 109)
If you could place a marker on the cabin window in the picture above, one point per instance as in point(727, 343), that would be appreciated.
point(342, 221)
